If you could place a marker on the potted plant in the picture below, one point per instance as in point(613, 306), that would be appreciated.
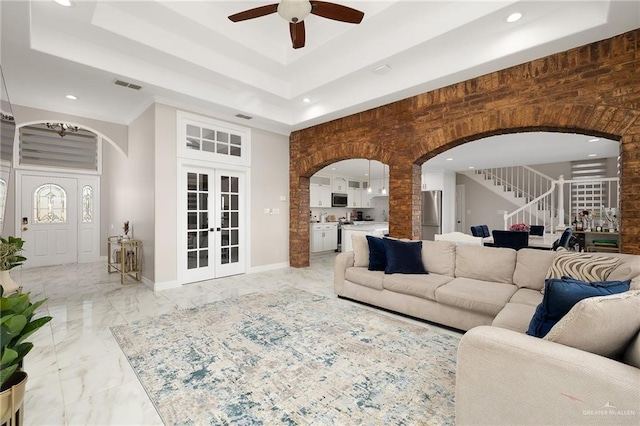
point(10, 257)
point(16, 324)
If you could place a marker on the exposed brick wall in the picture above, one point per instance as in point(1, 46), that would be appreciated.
point(593, 90)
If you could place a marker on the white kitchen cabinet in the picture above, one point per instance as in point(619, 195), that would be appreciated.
point(354, 194)
point(319, 195)
point(324, 236)
point(339, 184)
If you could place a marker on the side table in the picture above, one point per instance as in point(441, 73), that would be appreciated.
point(125, 257)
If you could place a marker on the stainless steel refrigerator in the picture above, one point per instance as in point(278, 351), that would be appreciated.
point(431, 214)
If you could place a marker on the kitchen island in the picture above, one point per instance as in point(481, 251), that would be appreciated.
point(362, 228)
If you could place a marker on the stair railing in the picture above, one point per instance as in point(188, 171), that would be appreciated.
point(539, 211)
point(593, 195)
point(523, 181)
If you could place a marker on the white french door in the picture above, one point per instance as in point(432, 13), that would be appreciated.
point(212, 223)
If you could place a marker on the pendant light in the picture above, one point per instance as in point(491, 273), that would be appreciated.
point(384, 175)
point(369, 190)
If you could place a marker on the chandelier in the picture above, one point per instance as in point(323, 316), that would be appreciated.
point(62, 128)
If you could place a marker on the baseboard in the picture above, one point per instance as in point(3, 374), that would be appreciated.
point(271, 267)
point(166, 285)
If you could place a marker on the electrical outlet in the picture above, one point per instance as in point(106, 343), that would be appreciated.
point(283, 198)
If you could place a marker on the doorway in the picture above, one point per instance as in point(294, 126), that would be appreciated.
point(57, 217)
point(212, 217)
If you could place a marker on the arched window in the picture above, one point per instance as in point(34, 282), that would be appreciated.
point(50, 204)
point(87, 204)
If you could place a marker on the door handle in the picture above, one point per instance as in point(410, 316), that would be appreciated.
point(24, 228)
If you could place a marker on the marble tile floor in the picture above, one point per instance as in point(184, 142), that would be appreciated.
point(77, 373)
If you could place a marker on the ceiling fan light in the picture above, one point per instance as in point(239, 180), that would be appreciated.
point(294, 10)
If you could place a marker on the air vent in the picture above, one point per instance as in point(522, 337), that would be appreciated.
point(246, 117)
point(125, 84)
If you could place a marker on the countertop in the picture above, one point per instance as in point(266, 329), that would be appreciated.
point(366, 226)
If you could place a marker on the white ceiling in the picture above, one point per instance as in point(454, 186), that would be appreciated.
point(188, 54)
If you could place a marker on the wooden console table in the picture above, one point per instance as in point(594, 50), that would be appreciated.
point(588, 241)
point(125, 257)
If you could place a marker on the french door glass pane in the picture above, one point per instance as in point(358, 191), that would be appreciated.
point(197, 219)
point(229, 236)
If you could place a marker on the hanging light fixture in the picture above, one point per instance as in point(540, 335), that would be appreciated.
point(384, 175)
point(62, 128)
point(369, 190)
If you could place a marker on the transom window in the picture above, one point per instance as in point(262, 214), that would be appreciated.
point(214, 141)
point(50, 204)
point(205, 139)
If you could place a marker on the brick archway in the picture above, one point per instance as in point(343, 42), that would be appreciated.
point(592, 90)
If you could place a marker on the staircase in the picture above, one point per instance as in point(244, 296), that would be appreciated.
point(524, 187)
point(541, 200)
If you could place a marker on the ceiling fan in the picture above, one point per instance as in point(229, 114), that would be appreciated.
point(294, 11)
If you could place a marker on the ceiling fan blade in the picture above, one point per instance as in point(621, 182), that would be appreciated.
point(336, 12)
point(255, 13)
point(297, 34)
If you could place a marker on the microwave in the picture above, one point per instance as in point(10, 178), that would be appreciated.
point(338, 200)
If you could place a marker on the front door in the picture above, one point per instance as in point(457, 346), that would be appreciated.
point(212, 216)
point(48, 219)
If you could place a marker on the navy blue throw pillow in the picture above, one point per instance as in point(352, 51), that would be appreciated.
point(404, 257)
point(560, 294)
point(377, 253)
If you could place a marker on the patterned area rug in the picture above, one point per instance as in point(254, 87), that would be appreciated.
point(292, 358)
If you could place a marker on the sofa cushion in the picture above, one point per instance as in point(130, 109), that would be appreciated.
point(632, 353)
point(439, 257)
point(561, 294)
point(485, 263)
point(629, 267)
point(527, 296)
point(403, 257)
point(600, 325)
point(416, 285)
point(476, 295)
point(360, 250)
point(531, 268)
point(582, 266)
point(365, 277)
point(515, 316)
point(377, 253)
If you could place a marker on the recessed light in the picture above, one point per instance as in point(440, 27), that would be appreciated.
point(514, 17)
point(65, 3)
point(72, 97)
point(333, 168)
point(471, 167)
point(306, 100)
point(366, 174)
point(449, 159)
point(592, 155)
point(593, 140)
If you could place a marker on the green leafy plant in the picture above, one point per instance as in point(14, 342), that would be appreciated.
point(16, 324)
point(9, 253)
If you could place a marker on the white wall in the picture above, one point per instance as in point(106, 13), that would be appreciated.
point(128, 188)
point(269, 181)
point(269, 234)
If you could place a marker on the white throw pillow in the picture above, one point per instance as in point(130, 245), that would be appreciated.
point(602, 325)
point(360, 250)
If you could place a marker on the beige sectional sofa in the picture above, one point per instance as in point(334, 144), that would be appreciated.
point(503, 375)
